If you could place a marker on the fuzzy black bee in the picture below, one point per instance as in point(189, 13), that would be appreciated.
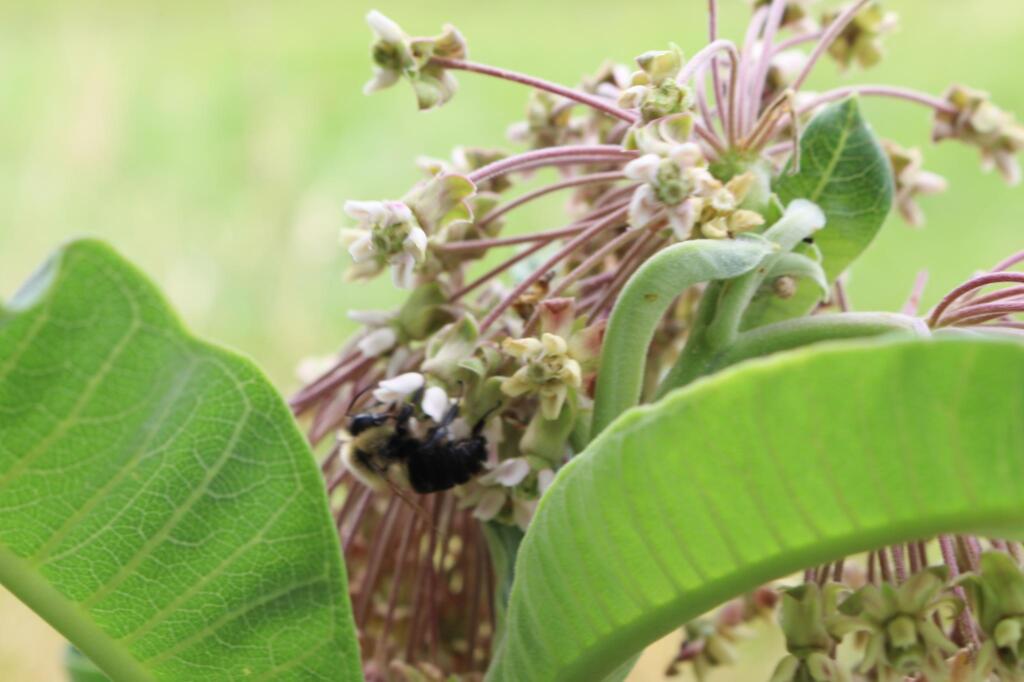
point(382, 445)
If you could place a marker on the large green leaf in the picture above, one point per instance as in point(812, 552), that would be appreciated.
point(158, 505)
point(754, 473)
point(843, 170)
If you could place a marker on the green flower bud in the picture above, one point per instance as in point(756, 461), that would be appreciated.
point(661, 65)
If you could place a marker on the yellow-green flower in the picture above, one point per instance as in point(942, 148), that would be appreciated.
point(547, 370)
point(561, 360)
point(721, 215)
point(899, 619)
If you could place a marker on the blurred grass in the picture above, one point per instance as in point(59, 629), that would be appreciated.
point(214, 142)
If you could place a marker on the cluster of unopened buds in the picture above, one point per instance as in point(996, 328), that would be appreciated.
point(491, 360)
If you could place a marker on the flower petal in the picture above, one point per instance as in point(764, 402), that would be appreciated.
point(361, 250)
point(403, 273)
point(643, 207)
point(381, 80)
point(371, 318)
point(511, 472)
point(397, 388)
point(386, 29)
point(490, 504)
point(516, 385)
point(378, 341)
point(522, 512)
point(551, 401)
point(416, 243)
point(544, 479)
point(643, 169)
point(436, 403)
point(557, 316)
point(554, 344)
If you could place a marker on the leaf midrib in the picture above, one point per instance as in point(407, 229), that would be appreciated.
point(68, 618)
point(830, 168)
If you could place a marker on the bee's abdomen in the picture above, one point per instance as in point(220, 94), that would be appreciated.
point(446, 465)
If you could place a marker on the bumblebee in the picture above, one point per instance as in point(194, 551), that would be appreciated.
point(383, 448)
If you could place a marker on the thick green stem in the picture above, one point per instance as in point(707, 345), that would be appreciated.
point(503, 545)
point(644, 301)
point(696, 355)
point(797, 333)
point(722, 307)
point(801, 219)
point(28, 585)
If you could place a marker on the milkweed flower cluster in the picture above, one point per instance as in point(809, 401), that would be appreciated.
point(502, 330)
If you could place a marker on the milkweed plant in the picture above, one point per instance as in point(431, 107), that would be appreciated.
point(699, 192)
point(660, 413)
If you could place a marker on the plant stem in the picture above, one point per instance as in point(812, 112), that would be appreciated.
point(573, 244)
point(891, 91)
point(503, 545)
point(800, 220)
point(608, 153)
point(804, 331)
point(982, 280)
point(497, 242)
point(707, 53)
point(69, 618)
point(831, 33)
point(695, 357)
point(593, 178)
point(591, 261)
point(699, 359)
point(569, 93)
point(774, 21)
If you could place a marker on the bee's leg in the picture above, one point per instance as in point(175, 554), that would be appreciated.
point(479, 426)
point(440, 431)
point(362, 422)
point(450, 416)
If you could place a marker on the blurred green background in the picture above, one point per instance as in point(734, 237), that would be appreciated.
point(213, 142)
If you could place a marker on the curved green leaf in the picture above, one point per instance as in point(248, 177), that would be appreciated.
point(843, 170)
point(755, 473)
point(719, 316)
point(801, 267)
point(644, 301)
point(158, 505)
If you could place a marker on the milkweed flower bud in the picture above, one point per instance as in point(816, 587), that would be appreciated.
point(997, 595)
point(976, 121)
point(653, 89)
point(861, 40)
point(912, 180)
point(397, 56)
point(387, 233)
point(903, 636)
point(796, 16)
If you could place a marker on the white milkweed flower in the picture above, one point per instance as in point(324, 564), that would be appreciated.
point(387, 233)
point(673, 183)
point(399, 387)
